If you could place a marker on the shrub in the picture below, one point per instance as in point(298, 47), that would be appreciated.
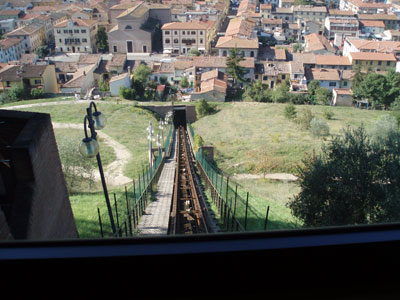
point(383, 128)
point(290, 111)
point(203, 108)
point(305, 118)
point(328, 114)
point(127, 93)
point(198, 142)
point(37, 93)
point(319, 128)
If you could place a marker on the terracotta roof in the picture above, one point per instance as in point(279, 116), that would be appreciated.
point(333, 60)
point(280, 54)
point(10, 12)
point(9, 42)
point(118, 77)
point(372, 56)
point(272, 21)
point(315, 42)
point(117, 60)
point(136, 11)
point(310, 8)
point(15, 73)
point(379, 46)
point(25, 30)
point(323, 74)
point(232, 42)
point(380, 16)
point(213, 85)
point(238, 26)
point(188, 25)
point(343, 91)
point(88, 58)
point(66, 67)
point(76, 22)
point(333, 12)
point(265, 6)
point(372, 23)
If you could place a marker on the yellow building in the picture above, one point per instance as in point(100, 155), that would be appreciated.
point(31, 76)
point(373, 60)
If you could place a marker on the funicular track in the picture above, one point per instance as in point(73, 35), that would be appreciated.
point(188, 211)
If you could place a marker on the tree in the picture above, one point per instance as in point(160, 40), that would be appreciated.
point(353, 181)
point(234, 69)
point(290, 111)
point(203, 108)
point(319, 128)
point(312, 86)
point(323, 96)
point(194, 52)
point(42, 51)
point(104, 86)
point(374, 87)
point(141, 73)
point(76, 168)
point(258, 92)
point(184, 82)
point(127, 93)
point(102, 40)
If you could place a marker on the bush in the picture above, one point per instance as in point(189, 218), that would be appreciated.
point(290, 111)
point(17, 92)
point(319, 128)
point(328, 114)
point(305, 119)
point(127, 93)
point(37, 93)
point(198, 142)
point(383, 128)
point(203, 108)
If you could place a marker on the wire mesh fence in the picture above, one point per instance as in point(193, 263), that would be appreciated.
point(233, 205)
point(130, 205)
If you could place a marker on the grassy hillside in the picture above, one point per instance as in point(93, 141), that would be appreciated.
point(242, 132)
point(239, 130)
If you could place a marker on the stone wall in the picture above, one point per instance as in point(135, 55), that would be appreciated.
point(38, 198)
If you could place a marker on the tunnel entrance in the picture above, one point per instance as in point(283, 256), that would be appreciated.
point(180, 116)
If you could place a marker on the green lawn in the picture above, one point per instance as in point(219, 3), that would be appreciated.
point(125, 123)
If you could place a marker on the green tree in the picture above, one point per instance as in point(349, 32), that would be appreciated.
point(203, 108)
point(42, 51)
point(352, 181)
point(323, 96)
point(142, 73)
point(290, 111)
point(103, 86)
point(127, 93)
point(258, 92)
point(374, 87)
point(184, 82)
point(102, 40)
point(312, 86)
point(234, 69)
point(319, 128)
point(19, 92)
point(194, 52)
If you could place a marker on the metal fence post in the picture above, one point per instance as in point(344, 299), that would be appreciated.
point(266, 219)
point(116, 210)
point(101, 224)
point(247, 205)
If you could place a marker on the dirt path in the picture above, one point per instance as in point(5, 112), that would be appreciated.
point(274, 176)
point(114, 171)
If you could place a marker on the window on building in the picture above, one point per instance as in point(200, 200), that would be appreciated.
point(129, 27)
point(176, 41)
point(58, 31)
point(176, 32)
point(115, 48)
point(76, 30)
point(83, 30)
point(201, 32)
point(167, 41)
point(38, 81)
point(332, 83)
point(84, 40)
point(201, 41)
point(193, 32)
point(183, 32)
point(379, 63)
point(388, 63)
point(167, 32)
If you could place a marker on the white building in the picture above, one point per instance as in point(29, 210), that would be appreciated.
point(76, 36)
point(11, 49)
point(117, 81)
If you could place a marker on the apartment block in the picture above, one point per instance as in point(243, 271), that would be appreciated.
point(76, 36)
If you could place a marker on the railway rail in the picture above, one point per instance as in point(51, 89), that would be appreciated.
point(189, 213)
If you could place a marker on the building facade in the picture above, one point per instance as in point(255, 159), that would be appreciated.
point(76, 36)
point(179, 38)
